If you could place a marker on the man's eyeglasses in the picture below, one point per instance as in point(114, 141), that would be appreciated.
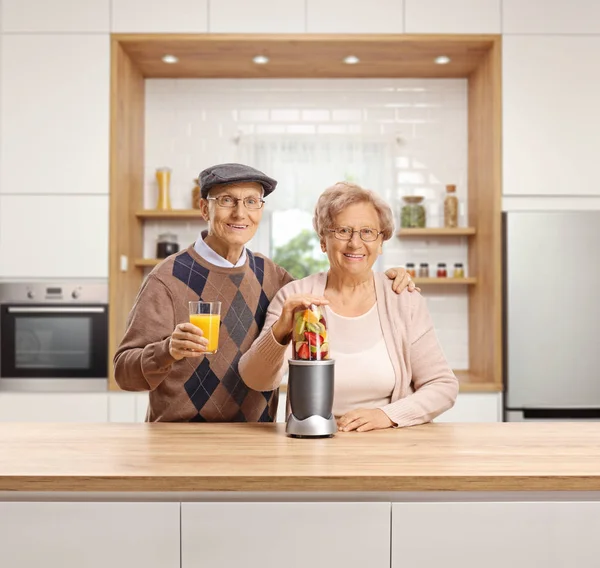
point(346, 233)
point(230, 202)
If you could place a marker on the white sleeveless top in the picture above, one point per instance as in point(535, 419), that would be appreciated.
point(364, 375)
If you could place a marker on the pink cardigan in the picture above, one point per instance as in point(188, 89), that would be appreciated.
point(425, 385)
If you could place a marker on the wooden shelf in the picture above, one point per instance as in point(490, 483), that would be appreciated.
point(445, 281)
point(470, 382)
point(169, 214)
point(144, 262)
point(437, 232)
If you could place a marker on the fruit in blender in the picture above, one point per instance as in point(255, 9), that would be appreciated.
point(309, 335)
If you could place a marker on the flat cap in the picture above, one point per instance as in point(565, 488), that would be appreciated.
point(233, 173)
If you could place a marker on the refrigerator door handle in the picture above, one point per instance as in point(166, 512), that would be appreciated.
point(561, 414)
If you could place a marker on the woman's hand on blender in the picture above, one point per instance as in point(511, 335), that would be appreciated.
point(282, 328)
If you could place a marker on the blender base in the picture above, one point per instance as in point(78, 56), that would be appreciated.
point(312, 427)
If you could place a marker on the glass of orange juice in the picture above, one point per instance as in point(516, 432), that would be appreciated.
point(207, 316)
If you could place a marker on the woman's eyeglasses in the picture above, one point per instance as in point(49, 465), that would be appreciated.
point(346, 233)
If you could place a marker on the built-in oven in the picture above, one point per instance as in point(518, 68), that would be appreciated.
point(53, 336)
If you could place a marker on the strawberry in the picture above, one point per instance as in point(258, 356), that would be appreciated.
point(303, 352)
point(311, 337)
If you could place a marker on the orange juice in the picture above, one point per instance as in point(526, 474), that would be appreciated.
point(209, 324)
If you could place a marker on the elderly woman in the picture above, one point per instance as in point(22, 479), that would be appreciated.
point(390, 368)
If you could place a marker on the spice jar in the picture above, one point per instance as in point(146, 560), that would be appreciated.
point(412, 215)
point(451, 207)
point(410, 269)
point(459, 271)
point(166, 245)
point(441, 270)
point(423, 270)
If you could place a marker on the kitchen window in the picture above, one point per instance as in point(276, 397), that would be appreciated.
point(305, 166)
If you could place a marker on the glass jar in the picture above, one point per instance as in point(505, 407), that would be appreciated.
point(166, 245)
point(410, 269)
point(459, 271)
point(451, 207)
point(423, 270)
point(163, 180)
point(310, 341)
point(441, 270)
point(412, 214)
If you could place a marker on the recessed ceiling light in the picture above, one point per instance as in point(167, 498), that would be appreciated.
point(351, 60)
point(260, 59)
point(442, 60)
point(170, 59)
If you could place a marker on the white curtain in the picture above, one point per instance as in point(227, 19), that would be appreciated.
point(305, 165)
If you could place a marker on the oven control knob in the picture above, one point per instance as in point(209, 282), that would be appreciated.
point(75, 294)
point(30, 294)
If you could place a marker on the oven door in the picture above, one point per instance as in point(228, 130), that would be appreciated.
point(54, 341)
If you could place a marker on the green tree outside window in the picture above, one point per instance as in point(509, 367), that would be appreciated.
point(298, 256)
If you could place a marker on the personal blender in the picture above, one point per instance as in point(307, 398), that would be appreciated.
point(311, 377)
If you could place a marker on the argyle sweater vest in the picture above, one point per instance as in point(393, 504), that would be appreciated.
point(207, 388)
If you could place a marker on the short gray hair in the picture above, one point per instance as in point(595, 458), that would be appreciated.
point(339, 196)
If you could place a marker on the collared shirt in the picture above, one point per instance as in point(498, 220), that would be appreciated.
point(211, 256)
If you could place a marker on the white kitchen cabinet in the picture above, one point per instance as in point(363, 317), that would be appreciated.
point(452, 17)
point(121, 406)
point(294, 535)
point(94, 535)
point(551, 17)
point(54, 236)
point(474, 407)
point(551, 115)
point(126, 406)
point(281, 408)
point(159, 16)
point(54, 113)
point(141, 406)
point(495, 535)
point(258, 16)
point(337, 16)
point(53, 407)
point(55, 16)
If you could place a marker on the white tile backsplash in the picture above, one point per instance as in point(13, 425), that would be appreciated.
point(194, 123)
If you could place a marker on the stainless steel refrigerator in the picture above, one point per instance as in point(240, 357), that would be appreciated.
point(552, 315)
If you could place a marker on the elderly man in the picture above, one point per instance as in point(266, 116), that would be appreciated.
point(163, 353)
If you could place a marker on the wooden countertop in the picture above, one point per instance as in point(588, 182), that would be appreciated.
point(259, 457)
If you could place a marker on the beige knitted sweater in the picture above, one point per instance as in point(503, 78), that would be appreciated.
point(425, 386)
